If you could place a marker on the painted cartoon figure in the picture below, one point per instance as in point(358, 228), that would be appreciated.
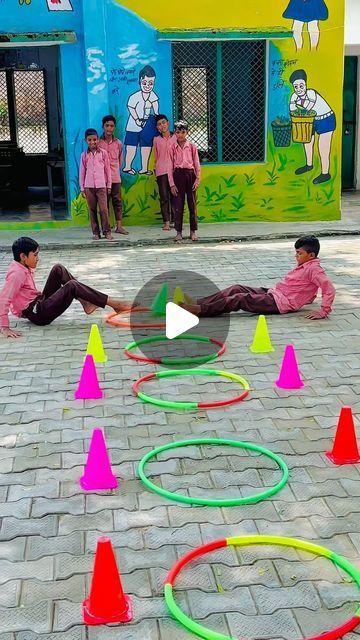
point(324, 124)
point(54, 5)
point(310, 12)
point(141, 128)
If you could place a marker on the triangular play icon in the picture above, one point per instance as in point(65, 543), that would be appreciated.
point(178, 320)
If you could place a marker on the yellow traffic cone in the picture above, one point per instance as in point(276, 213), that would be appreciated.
point(178, 296)
point(261, 342)
point(95, 346)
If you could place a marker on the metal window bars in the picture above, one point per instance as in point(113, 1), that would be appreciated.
point(220, 89)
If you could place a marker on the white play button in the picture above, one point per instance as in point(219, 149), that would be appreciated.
point(178, 320)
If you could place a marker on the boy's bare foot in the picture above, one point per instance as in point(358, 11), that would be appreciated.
point(193, 236)
point(195, 309)
point(121, 230)
point(96, 237)
point(166, 226)
point(88, 307)
point(108, 236)
point(120, 305)
point(178, 237)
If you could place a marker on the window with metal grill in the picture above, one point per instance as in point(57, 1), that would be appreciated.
point(23, 110)
point(220, 90)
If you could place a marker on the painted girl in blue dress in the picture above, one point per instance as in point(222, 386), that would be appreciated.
point(309, 12)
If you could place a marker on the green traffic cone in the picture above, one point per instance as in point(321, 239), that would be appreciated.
point(158, 307)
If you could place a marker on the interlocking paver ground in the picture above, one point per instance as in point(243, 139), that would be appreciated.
point(49, 528)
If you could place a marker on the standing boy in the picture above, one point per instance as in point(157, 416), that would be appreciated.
point(113, 147)
point(162, 145)
point(184, 179)
point(143, 106)
point(95, 183)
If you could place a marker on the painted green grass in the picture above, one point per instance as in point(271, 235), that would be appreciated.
point(268, 192)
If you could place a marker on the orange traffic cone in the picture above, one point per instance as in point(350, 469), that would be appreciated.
point(107, 602)
point(345, 449)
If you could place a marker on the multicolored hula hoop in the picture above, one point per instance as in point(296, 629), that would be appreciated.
point(239, 541)
point(170, 404)
point(229, 502)
point(175, 361)
point(138, 325)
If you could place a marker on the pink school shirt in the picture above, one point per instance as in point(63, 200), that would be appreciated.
point(185, 157)
point(95, 172)
point(114, 151)
point(300, 287)
point(162, 148)
point(17, 293)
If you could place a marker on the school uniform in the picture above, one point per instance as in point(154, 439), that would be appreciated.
point(95, 180)
point(184, 170)
point(162, 148)
point(114, 150)
point(20, 295)
point(299, 287)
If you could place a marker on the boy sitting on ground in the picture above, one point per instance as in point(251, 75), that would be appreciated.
point(299, 287)
point(20, 295)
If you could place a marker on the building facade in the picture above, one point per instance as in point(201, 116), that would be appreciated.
point(260, 85)
point(351, 111)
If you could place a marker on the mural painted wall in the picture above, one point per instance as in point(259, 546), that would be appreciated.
point(124, 67)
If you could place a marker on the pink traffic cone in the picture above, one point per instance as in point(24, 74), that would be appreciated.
point(88, 387)
point(98, 473)
point(289, 377)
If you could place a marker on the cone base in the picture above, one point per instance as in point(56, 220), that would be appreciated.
point(102, 485)
point(121, 616)
point(289, 387)
point(335, 460)
point(97, 395)
point(267, 350)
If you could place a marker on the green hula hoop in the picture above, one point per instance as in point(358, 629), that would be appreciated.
point(230, 502)
point(171, 404)
point(175, 361)
point(241, 541)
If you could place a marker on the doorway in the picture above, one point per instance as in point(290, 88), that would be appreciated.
point(349, 122)
point(32, 176)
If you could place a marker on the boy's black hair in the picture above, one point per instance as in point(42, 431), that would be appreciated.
point(147, 71)
point(309, 243)
point(299, 74)
point(91, 132)
point(108, 118)
point(23, 245)
point(161, 116)
point(181, 125)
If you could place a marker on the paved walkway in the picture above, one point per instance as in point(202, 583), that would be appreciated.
point(209, 233)
point(49, 527)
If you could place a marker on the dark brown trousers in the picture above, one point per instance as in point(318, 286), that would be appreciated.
point(60, 290)
point(253, 299)
point(165, 197)
point(184, 181)
point(95, 198)
point(115, 197)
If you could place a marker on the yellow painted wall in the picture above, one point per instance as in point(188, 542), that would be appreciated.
point(199, 14)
